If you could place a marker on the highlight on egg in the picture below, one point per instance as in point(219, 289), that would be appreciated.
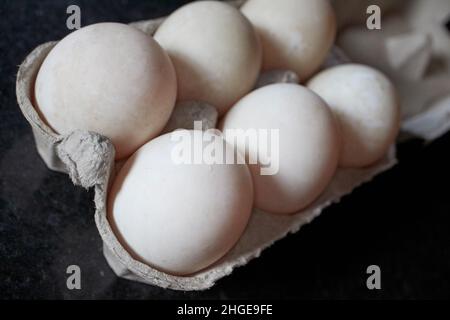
point(295, 35)
point(215, 50)
point(366, 105)
point(109, 78)
point(180, 217)
point(309, 144)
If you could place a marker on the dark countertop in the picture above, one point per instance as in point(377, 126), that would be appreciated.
point(400, 221)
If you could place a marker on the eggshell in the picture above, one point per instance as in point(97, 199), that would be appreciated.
point(365, 102)
point(309, 144)
point(215, 50)
point(108, 78)
point(179, 218)
point(295, 34)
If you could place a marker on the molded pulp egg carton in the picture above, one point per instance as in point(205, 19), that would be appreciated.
point(88, 158)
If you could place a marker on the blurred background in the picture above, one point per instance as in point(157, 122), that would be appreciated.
point(400, 221)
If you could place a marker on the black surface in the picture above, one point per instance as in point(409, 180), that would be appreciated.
point(400, 221)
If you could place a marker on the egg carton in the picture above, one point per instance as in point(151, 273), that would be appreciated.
point(88, 158)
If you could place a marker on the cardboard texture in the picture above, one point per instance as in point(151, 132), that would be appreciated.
point(88, 158)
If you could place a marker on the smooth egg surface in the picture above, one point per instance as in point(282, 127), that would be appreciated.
point(365, 102)
point(295, 34)
point(179, 217)
point(108, 78)
point(308, 145)
point(215, 50)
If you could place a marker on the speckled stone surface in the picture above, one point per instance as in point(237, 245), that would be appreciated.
point(400, 221)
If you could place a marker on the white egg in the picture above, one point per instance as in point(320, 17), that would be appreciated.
point(366, 105)
point(308, 145)
point(295, 34)
point(108, 78)
point(215, 50)
point(179, 217)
